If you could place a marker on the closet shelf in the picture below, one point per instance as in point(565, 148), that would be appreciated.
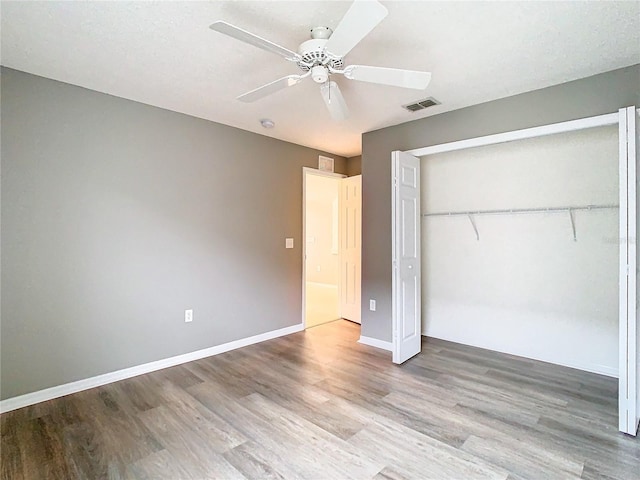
point(517, 211)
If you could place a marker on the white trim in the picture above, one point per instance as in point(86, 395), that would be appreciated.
point(92, 382)
point(374, 342)
point(320, 173)
point(628, 389)
point(623, 321)
point(395, 344)
point(572, 125)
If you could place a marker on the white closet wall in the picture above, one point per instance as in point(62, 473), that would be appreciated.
point(525, 287)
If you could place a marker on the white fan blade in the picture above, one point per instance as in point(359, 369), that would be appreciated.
point(388, 76)
point(362, 17)
point(251, 39)
point(334, 100)
point(270, 88)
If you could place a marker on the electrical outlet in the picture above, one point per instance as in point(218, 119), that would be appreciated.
point(372, 305)
point(188, 315)
point(318, 268)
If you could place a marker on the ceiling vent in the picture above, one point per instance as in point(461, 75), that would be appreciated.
point(421, 104)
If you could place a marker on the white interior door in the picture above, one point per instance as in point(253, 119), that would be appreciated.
point(350, 232)
point(406, 302)
point(628, 396)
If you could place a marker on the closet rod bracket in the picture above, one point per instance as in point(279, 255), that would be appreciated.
point(573, 223)
point(475, 228)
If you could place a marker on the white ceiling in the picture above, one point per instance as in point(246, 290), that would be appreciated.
point(164, 54)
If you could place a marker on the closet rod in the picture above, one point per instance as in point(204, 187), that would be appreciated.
point(520, 210)
point(472, 213)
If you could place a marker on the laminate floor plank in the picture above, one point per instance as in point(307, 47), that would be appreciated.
point(41, 451)
point(523, 462)
point(420, 456)
point(197, 456)
point(160, 465)
point(199, 420)
point(254, 461)
point(318, 405)
point(11, 465)
point(318, 410)
point(106, 440)
point(388, 473)
point(490, 388)
point(309, 443)
point(283, 438)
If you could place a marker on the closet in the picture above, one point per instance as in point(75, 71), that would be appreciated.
point(523, 242)
point(501, 267)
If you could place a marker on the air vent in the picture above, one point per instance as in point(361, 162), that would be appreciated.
point(421, 104)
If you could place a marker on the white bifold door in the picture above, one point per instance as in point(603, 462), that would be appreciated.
point(629, 373)
point(406, 308)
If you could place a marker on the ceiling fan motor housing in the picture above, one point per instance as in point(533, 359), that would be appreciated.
point(312, 54)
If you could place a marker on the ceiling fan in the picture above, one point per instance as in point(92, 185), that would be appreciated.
point(323, 56)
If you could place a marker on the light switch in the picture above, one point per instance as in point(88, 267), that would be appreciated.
point(288, 243)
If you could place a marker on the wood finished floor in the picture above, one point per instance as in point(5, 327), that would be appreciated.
point(318, 405)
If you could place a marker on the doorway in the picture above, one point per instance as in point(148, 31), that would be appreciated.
point(322, 259)
point(332, 206)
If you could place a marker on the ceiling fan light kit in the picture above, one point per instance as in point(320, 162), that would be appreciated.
point(323, 56)
point(319, 73)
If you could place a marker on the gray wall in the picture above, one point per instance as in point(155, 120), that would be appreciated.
point(118, 216)
point(595, 95)
point(354, 165)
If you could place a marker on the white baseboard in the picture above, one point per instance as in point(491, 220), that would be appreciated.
point(374, 342)
point(87, 383)
point(591, 367)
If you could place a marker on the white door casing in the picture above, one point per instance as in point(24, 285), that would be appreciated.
point(350, 232)
point(406, 301)
point(634, 150)
point(628, 410)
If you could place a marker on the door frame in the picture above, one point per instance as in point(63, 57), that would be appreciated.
point(628, 402)
point(628, 381)
point(320, 173)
